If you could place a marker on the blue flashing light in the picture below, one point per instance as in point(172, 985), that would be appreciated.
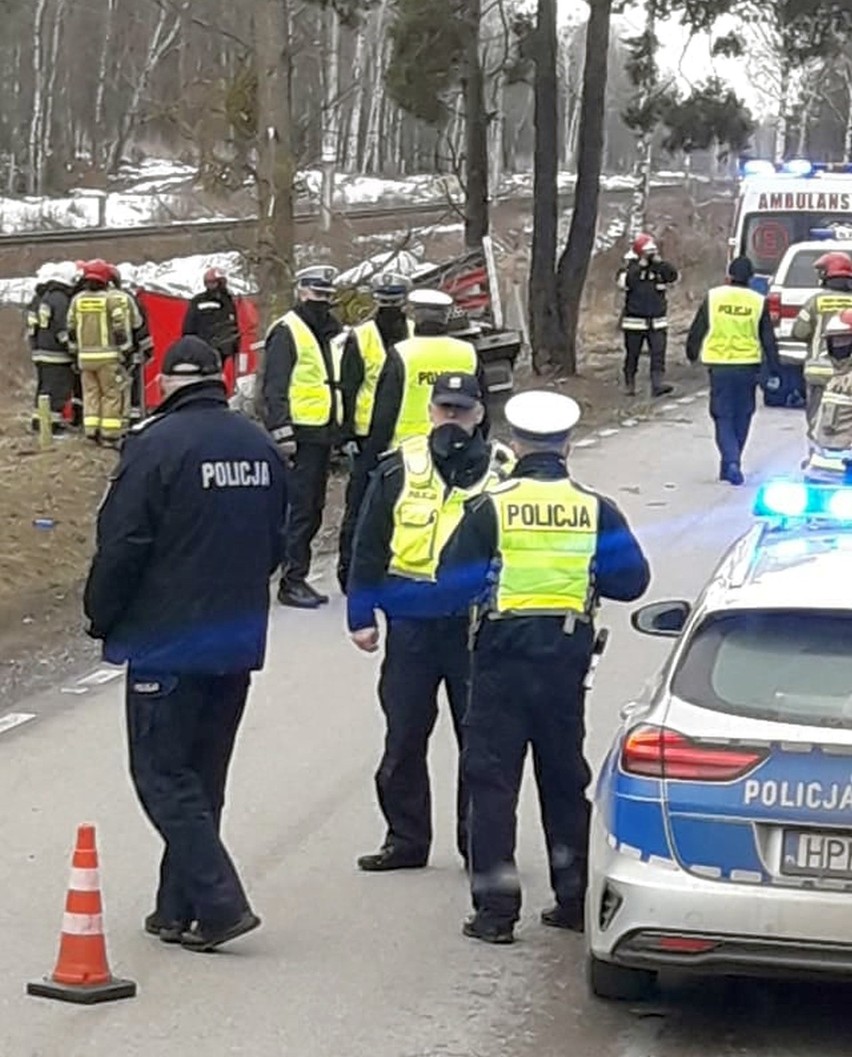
point(836, 231)
point(798, 167)
point(795, 499)
point(758, 167)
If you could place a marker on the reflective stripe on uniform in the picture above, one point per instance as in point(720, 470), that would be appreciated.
point(547, 538)
point(637, 323)
point(425, 515)
point(734, 335)
point(423, 359)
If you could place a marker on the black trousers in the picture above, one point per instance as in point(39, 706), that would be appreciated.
point(518, 702)
point(356, 489)
point(732, 405)
point(634, 343)
point(55, 380)
point(308, 481)
point(181, 731)
point(420, 655)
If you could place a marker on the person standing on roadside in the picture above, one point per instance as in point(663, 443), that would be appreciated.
point(47, 328)
point(646, 279)
point(189, 534)
point(303, 410)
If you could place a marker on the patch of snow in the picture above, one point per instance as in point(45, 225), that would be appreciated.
point(403, 262)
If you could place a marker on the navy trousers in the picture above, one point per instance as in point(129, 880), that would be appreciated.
point(732, 404)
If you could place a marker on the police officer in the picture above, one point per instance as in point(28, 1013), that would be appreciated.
point(188, 536)
point(834, 270)
point(47, 329)
point(535, 553)
point(414, 502)
point(104, 327)
point(303, 410)
point(645, 280)
point(364, 354)
point(212, 315)
point(402, 394)
point(732, 334)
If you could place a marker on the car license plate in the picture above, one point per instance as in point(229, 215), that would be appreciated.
point(809, 853)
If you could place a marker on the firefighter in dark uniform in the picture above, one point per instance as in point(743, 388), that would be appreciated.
point(47, 329)
point(189, 534)
point(534, 555)
point(732, 335)
point(645, 280)
point(212, 315)
point(401, 408)
point(415, 499)
point(303, 410)
point(364, 353)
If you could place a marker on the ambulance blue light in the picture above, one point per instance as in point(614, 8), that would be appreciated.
point(794, 499)
point(798, 167)
point(758, 167)
point(782, 499)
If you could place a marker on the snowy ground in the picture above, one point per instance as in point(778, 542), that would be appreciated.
point(160, 191)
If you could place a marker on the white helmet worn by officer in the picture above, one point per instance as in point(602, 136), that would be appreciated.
point(542, 420)
point(316, 283)
point(390, 289)
point(430, 306)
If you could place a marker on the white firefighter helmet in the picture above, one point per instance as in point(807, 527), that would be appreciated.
point(63, 272)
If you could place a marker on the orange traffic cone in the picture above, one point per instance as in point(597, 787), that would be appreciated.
point(82, 973)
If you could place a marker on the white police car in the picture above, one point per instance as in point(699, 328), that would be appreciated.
point(722, 823)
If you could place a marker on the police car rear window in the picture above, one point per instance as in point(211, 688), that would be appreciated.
point(790, 666)
point(800, 273)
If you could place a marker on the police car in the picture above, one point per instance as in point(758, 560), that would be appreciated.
point(722, 823)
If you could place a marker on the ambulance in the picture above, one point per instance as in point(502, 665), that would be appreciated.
point(780, 205)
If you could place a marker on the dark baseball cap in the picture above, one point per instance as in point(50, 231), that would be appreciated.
point(456, 390)
point(191, 357)
point(741, 270)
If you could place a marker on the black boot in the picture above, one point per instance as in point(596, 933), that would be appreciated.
point(658, 386)
point(629, 384)
point(569, 916)
point(300, 595)
point(496, 932)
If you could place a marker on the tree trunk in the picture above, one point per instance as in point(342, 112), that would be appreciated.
point(37, 116)
point(847, 138)
point(642, 166)
point(546, 335)
point(331, 116)
point(783, 111)
point(275, 235)
point(100, 91)
point(352, 156)
point(574, 263)
point(476, 133)
point(50, 96)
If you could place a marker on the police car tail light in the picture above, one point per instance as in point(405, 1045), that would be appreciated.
point(658, 752)
point(773, 302)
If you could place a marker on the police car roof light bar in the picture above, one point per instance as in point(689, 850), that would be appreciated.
point(795, 499)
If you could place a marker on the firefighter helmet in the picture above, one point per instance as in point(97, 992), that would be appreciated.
point(834, 265)
point(644, 245)
point(214, 276)
point(97, 271)
point(62, 272)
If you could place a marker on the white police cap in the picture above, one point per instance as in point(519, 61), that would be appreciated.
point(319, 277)
point(539, 415)
point(430, 299)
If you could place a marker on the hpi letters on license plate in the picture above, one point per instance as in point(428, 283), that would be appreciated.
point(807, 853)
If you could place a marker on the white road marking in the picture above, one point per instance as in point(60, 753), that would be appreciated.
point(74, 690)
point(607, 432)
point(14, 719)
point(669, 407)
point(629, 422)
point(100, 676)
point(586, 442)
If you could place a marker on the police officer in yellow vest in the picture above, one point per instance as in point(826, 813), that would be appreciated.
point(415, 499)
point(364, 353)
point(732, 334)
point(533, 556)
point(401, 407)
point(303, 410)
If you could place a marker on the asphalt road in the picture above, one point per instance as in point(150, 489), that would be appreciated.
point(350, 965)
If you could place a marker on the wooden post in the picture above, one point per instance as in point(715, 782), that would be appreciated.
point(45, 425)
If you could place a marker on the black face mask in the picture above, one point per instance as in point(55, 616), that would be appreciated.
point(450, 440)
point(316, 313)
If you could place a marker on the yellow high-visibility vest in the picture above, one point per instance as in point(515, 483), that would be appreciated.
point(315, 398)
point(423, 359)
point(734, 335)
point(547, 538)
point(373, 356)
point(426, 514)
point(103, 322)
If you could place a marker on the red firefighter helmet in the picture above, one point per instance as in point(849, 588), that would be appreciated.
point(644, 245)
point(98, 271)
point(213, 276)
point(834, 265)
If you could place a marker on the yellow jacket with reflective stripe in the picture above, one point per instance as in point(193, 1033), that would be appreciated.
point(101, 325)
point(427, 513)
point(315, 398)
point(373, 356)
point(734, 336)
point(423, 359)
point(547, 533)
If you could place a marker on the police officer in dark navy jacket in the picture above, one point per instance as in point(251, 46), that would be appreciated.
point(189, 534)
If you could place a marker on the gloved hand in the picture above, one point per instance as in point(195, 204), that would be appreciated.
point(773, 383)
point(351, 451)
point(287, 448)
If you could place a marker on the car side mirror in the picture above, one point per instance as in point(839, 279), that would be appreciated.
point(666, 619)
